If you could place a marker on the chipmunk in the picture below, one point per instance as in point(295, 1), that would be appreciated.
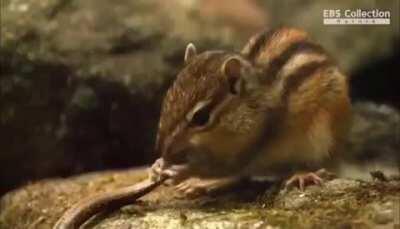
point(279, 107)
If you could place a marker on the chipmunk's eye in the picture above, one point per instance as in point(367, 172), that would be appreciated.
point(200, 115)
point(200, 118)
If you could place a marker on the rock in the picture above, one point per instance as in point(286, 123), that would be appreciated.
point(296, 201)
point(341, 185)
point(383, 213)
point(349, 203)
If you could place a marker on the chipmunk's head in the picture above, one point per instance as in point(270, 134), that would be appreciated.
point(205, 123)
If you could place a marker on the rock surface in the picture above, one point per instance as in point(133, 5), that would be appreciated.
point(339, 203)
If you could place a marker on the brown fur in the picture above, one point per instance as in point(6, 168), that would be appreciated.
point(297, 116)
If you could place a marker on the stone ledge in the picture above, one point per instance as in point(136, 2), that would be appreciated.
point(338, 203)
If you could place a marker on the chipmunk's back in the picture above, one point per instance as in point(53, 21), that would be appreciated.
point(311, 97)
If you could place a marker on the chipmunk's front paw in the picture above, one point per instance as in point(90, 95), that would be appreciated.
point(192, 187)
point(156, 170)
point(195, 187)
point(175, 173)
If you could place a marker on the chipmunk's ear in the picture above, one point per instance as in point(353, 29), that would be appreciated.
point(234, 68)
point(190, 52)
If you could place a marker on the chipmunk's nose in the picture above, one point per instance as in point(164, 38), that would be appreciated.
point(174, 149)
point(176, 156)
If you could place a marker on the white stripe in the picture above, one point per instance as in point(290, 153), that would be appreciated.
point(299, 60)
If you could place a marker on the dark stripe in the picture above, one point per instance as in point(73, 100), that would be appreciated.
point(278, 62)
point(297, 78)
point(260, 43)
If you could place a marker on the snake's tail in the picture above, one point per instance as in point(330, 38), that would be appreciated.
point(85, 209)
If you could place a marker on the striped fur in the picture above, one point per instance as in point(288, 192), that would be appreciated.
point(313, 99)
point(296, 115)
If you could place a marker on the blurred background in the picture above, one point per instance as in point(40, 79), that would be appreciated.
point(81, 82)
